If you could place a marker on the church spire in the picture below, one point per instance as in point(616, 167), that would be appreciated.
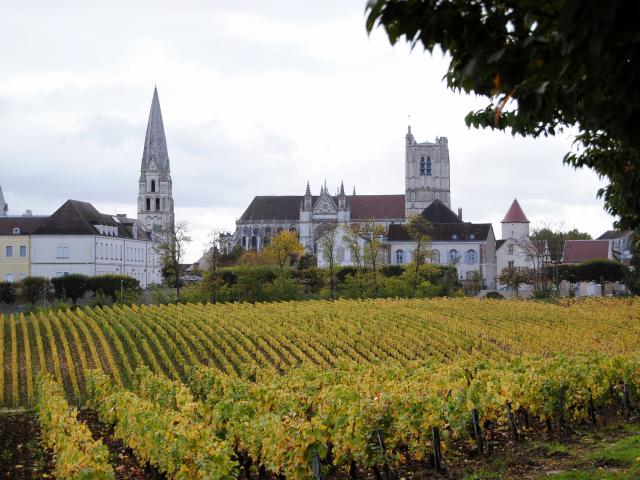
point(308, 191)
point(155, 142)
point(342, 189)
point(4, 208)
point(155, 197)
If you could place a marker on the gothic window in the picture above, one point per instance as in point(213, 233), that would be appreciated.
point(435, 256)
point(453, 255)
point(153, 185)
point(425, 166)
point(254, 242)
point(510, 249)
point(510, 264)
point(279, 230)
point(256, 231)
point(470, 256)
point(157, 204)
point(399, 256)
point(293, 230)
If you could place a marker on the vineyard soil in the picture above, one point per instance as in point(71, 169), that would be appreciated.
point(21, 457)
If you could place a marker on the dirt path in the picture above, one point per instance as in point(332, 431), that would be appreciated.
point(21, 457)
point(125, 464)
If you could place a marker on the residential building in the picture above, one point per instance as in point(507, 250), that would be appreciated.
point(79, 239)
point(15, 246)
point(620, 241)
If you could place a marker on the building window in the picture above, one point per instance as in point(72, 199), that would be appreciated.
point(435, 256)
point(9, 277)
point(16, 231)
point(63, 252)
point(244, 241)
point(157, 204)
point(425, 166)
point(470, 256)
point(8, 251)
point(153, 185)
point(510, 264)
point(399, 256)
point(254, 242)
point(510, 249)
point(148, 200)
point(453, 255)
point(22, 276)
point(23, 250)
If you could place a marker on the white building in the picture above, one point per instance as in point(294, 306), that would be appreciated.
point(470, 247)
point(79, 239)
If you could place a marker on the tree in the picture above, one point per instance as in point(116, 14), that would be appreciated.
point(634, 267)
point(171, 245)
point(554, 237)
point(418, 230)
point(327, 243)
point(33, 288)
point(544, 66)
point(282, 250)
point(214, 262)
point(513, 277)
point(372, 234)
point(73, 286)
point(352, 239)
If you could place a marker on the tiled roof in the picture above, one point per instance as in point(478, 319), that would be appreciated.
point(287, 207)
point(515, 214)
point(578, 251)
point(378, 207)
point(444, 232)
point(27, 225)
point(438, 212)
point(614, 234)
point(80, 218)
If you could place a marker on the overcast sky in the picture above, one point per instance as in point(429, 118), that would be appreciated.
point(257, 98)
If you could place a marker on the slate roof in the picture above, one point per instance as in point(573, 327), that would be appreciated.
point(578, 251)
point(499, 243)
point(80, 218)
point(27, 225)
point(287, 207)
point(614, 234)
point(515, 214)
point(444, 232)
point(155, 142)
point(438, 212)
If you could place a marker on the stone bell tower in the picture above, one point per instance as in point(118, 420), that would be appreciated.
point(155, 197)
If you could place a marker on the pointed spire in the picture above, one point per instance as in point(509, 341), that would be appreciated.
point(307, 193)
point(342, 189)
point(354, 190)
point(155, 142)
point(515, 214)
point(4, 208)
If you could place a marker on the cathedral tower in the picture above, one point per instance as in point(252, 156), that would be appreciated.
point(426, 174)
point(155, 198)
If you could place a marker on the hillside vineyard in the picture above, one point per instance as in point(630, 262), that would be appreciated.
point(234, 338)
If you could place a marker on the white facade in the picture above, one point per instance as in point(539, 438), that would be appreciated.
point(57, 255)
point(467, 256)
point(342, 255)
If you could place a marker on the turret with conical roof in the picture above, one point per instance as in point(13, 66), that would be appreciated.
point(155, 197)
point(515, 223)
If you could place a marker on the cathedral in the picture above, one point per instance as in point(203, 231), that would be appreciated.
point(426, 180)
point(155, 198)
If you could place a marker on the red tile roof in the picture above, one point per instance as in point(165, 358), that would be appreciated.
point(515, 214)
point(378, 207)
point(578, 251)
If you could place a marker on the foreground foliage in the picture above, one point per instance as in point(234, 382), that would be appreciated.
point(77, 455)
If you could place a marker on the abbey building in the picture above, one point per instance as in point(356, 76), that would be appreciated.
point(426, 180)
point(155, 197)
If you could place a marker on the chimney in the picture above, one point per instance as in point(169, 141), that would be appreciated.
point(460, 213)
